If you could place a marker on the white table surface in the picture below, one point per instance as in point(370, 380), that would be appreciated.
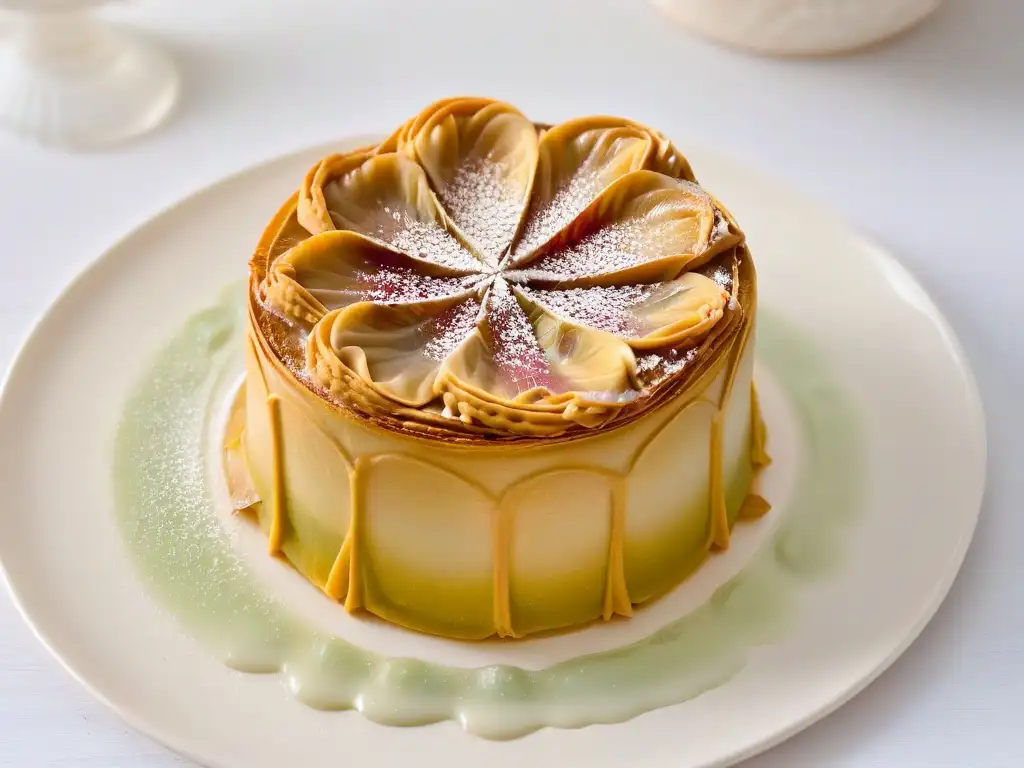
point(920, 143)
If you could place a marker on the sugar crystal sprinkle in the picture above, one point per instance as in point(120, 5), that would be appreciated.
point(611, 248)
point(485, 205)
point(449, 329)
point(566, 204)
point(603, 308)
point(398, 284)
point(660, 365)
point(426, 240)
point(723, 277)
point(517, 355)
point(388, 285)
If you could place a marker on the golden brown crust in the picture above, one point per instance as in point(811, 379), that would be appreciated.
point(470, 419)
point(684, 385)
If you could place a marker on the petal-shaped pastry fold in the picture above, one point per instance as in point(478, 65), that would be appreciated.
point(397, 140)
point(481, 157)
point(666, 159)
point(312, 207)
point(673, 313)
point(338, 268)
point(577, 160)
point(532, 371)
point(387, 198)
point(645, 227)
point(395, 349)
point(475, 274)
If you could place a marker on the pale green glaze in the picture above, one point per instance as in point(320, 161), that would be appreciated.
point(185, 557)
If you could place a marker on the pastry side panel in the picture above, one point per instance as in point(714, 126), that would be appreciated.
point(502, 540)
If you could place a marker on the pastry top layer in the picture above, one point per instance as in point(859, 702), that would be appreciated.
point(476, 276)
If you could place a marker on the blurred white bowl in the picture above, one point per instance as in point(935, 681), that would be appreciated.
point(797, 27)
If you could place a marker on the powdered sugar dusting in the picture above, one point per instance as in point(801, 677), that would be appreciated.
point(566, 204)
point(520, 361)
point(388, 284)
point(399, 284)
point(426, 240)
point(655, 367)
point(603, 308)
point(485, 205)
point(611, 248)
point(449, 329)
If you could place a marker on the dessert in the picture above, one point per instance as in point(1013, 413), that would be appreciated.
point(499, 374)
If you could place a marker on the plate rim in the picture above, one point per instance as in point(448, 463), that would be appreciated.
point(878, 253)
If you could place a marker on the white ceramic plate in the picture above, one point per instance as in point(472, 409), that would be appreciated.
point(924, 457)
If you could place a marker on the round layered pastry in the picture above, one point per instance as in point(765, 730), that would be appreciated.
point(499, 374)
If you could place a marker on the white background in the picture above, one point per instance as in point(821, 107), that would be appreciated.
point(919, 143)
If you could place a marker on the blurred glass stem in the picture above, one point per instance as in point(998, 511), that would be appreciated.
point(69, 78)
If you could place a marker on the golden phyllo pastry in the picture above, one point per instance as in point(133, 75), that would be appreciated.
point(483, 355)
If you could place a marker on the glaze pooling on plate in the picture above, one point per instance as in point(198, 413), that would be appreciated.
point(500, 375)
point(165, 504)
